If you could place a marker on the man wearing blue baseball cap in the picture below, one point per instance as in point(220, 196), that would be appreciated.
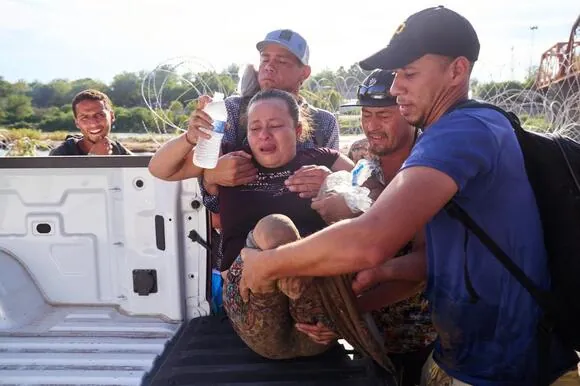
point(284, 58)
point(488, 325)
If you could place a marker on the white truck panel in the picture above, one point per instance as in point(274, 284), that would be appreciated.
point(70, 241)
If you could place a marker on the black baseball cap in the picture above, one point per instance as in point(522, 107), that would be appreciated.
point(436, 30)
point(375, 90)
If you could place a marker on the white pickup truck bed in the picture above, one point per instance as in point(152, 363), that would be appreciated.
point(96, 272)
point(100, 285)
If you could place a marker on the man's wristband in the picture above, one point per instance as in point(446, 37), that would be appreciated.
point(188, 141)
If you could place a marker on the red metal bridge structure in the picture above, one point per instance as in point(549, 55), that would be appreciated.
point(560, 64)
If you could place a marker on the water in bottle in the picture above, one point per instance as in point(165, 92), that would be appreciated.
point(207, 151)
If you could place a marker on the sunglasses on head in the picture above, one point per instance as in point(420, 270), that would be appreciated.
point(376, 91)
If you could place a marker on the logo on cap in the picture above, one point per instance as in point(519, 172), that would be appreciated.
point(286, 35)
point(372, 82)
point(400, 28)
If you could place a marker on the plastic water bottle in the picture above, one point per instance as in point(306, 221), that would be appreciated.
point(207, 151)
point(361, 172)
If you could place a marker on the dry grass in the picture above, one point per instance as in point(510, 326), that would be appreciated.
point(10, 135)
point(141, 147)
point(145, 137)
point(26, 141)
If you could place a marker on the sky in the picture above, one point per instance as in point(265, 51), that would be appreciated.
point(71, 39)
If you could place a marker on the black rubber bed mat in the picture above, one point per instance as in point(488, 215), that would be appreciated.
point(207, 351)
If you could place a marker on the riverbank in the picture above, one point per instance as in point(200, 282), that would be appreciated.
point(24, 140)
point(31, 142)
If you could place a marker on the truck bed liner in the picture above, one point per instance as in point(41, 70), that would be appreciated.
point(208, 352)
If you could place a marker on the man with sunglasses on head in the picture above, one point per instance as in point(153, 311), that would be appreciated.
point(404, 323)
point(488, 325)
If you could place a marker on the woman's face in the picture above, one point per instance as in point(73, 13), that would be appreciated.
point(272, 133)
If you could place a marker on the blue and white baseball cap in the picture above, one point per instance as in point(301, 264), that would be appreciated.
point(290, 40)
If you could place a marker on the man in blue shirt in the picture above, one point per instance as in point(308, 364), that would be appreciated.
point(486, 321)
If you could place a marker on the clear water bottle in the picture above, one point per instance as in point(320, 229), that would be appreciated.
point(207, 151)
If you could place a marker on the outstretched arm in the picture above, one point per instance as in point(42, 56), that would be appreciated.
point(365, 242)
point(174, 161)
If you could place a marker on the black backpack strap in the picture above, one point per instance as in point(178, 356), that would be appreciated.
point(558, 139)
point(544, 334)
point(458, 213)
point(471, 103)
point(545, 326)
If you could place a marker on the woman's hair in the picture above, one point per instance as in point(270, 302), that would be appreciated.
point(297, 113)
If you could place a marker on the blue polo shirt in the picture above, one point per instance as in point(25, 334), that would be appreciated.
point(490, 338)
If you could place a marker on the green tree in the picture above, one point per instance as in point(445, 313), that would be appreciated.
point(47, 105)
point(233, 72)
point(79, 85)
point(20, 87)
point(177, 114)
point(133, 120)
point(492, 89)
point(5, 88)
point(211, 82)
point(16, 108)
point(530, 80)
point(126, 89)
point(57, 120)
point(54, 93)
point(334, 99)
